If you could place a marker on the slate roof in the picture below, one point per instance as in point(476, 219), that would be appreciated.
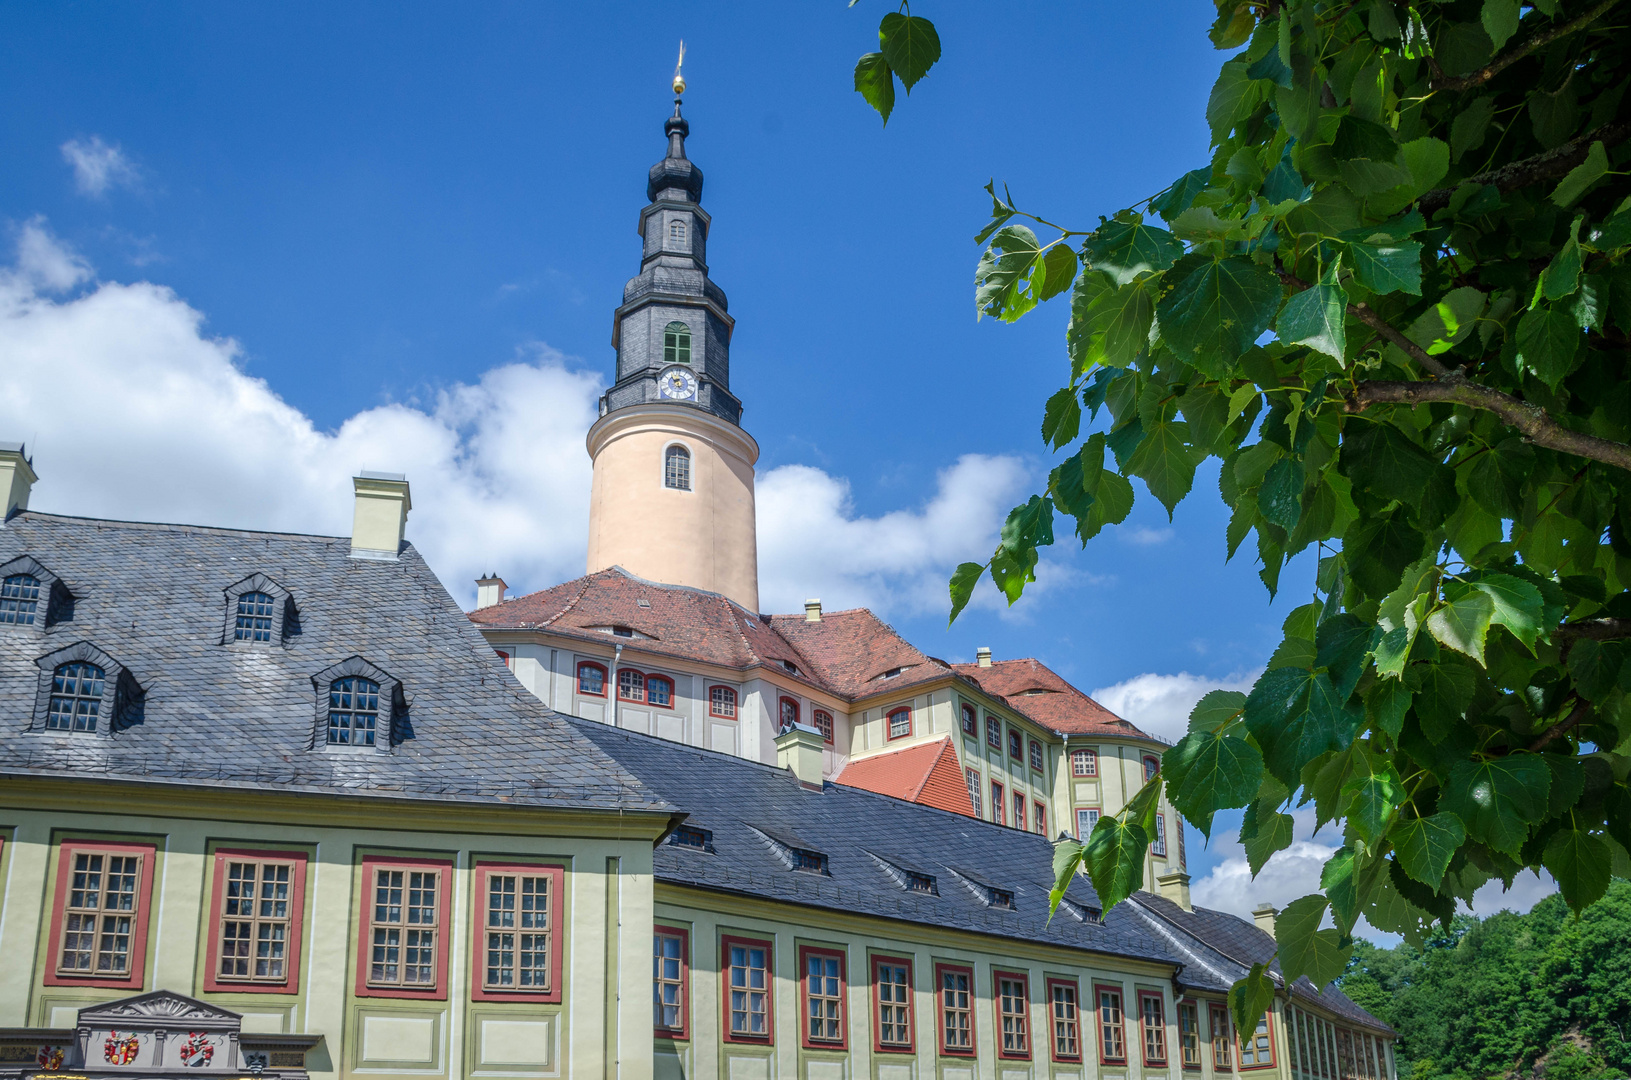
point(152, 597)
point(1031, 687)
point(926, 773)
point(732, 797)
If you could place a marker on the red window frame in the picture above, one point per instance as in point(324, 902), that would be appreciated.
point(504, 656)
point(971, 721)
point(1268, 1030)
point(1144, 1027)
point(1098, 1021)
point(781, 705)
point(444, 927)
point(136, 974)
point(975, 788)
point(998, 811)
point(735, 703)
point(1194, 1011)
point(997, 1013)
point(651, 678)
point(1019, 810)
point(1084, 757)
point(577, 678)
point(993, 732)
point(806, 1040)
point(683, 1032)
point(940, 970)
point(725, 943)
point(822, 719)
point(556, 873)
point(1037, 761)
point(1151, 774)
point(878, 1045)
point(1053, 1021)
point(1217, 1020)
point(213, 983)
point(1039, 817)
point(889, 723)
point(1016, 745)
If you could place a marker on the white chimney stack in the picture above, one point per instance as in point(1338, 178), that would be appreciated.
point(17, 477)
point(489, 591)
point(381, 515)
point(812, 611)
point(1263, 915)
point(983, 655)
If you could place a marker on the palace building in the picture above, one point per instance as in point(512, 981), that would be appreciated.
point(273, 805)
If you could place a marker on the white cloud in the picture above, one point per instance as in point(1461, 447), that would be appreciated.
point(133, 411)
point(98, 167)
point(1143, 535)
point(1528, 889)
point(1160, 704)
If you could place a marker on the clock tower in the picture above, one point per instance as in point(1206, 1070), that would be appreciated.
point(672, 496)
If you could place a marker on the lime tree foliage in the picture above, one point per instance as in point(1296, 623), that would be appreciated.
point(1395, 305)
point(1508, 995)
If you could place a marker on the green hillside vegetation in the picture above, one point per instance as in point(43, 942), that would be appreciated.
point(1512, 995)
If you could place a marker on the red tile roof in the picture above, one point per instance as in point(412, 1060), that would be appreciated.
point(1033, 688)
point(924, 773)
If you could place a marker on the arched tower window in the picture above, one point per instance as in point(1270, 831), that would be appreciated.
point(677, 468)
point(676, 231)
point(676, 343)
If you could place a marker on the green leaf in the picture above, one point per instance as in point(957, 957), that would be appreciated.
point(1386, 268)
point(1345, 642)
point(1165, 462)
point(1581, 863)
point(1177, 198)
point(1206, 773)
point(1126, 248)
point(1109, 326)
point(1058, 270)
point(1442, 697)
point(1216, 709)
point(1316, 317)
point(1468, 128)
point(1582, 176)
point(1249, 999)
point(1219, 310)
point(1500, 18)
point(1305, 949)
point(1233, 96)
point(1264, 831)
point(1378, 548)
point(1369, 801)
point(1295, 716)
point(1061, 418)
point(910, 45)
point(1339, 877)
point(1114, 855)
point(1280, 498)
point(1518, 606)
point(1562, 275)
point(1005, 271)
point(963, 580)
point(1425, 845)
point(1548, 339)
point(1380, 458)
point(1463, 624)
point(1067, 860)
point(876, 83)
point(1386, 705)
point(1498, 800)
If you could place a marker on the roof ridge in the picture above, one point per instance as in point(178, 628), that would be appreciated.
point(170, 526)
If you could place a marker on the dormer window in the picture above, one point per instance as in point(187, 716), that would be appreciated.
point(259, 611)
point(76, 697)
point(676, 343)
point(989, 893)
point(790, 667)
point(83, 689)
point(623, 631)
point(912, 879)
point(794, 853)
point(19, 599)
point(677, 468)
point(689, 836)
point(915, 882)
point(891, 673)
point(809, 862)
point(254, 619)
point(353, 711)
point(358, 706)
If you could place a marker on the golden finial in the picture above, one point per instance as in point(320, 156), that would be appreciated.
point(679, 80)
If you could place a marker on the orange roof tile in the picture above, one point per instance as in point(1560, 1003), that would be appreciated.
point(924, 773)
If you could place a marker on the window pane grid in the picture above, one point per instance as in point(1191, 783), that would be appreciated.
point(518, 932)
point(824, 998)
point(668, 984)
point(353, 711)
point(749, 980)
point(99, 915)
point(1110, 1033)
point(1036, 755)
point(900, 723)
point(956, 1018)
point(19, 599)
point(1155, 1030)
point(404, 928)
point(254, 619)
point(254, 932)
point(677, 468)
point(722, 701)
point(1066, 1025)
point(973, 779)
point(993, 732)
point(631, 685)
point(894, 1005)
point(591, 679)
point(823, 724)
point(1189, 1035)
point(677, 338)
point(76, 697)
point(1012, 999)
point(1084, 763)
point(1221, 1050)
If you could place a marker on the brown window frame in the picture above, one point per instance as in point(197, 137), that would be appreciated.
point(1217, 1020)
point(1020, 815)
point(1039, 817)
point(1267, 1020)
point(730, 1035)
point(1002, 1015)
point(713, 701)
point(1037, 761)
point(577, 678)
point(293, 922)
point(1101, 1025)
point(682, 1032)
point(482, 988)
point(810, 1041)
point(941, 1010)
point(1071, 1023)
point(909, 1046)
point(1155, 1033)
point(826, 728)
point(135, 972)
point(781, 704)
point(372, 866)
point(1189, 1040)
point(1149, 773)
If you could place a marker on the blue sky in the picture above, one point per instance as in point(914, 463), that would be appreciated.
point(407, 218)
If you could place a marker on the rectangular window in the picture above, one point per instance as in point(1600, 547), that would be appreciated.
point(954, 989)
point(670, 982)
point(993, 732)
point(1013, 1015)
point(1153, 1014)
point(592, 679)
point(1039, 815)
point(518, 950)
point(1019, 810)
point(1067, 1023)
point(255, 915)
point(1257, 1052)
point(971, 722)
point(402, 950)
point(1036, 755)
point(99, 917)
point(1086, 818)
point(823, 994)
point(996, 802)
point(973, 777)
point(900, 723)
point(1016, 745)
point(892, 1003)
point(1112, 1036)
point(1084, 763)
point(1222, 1047)
point(1189, 1034)
point(1159, 845)
point(722, 702)
point(746, 965)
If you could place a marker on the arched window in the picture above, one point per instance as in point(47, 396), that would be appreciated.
point(677, 468)
point(789, 714)
point(76, 697)
point(1036, 755)
point(676, 231)
point(592, 679)
point(353, 711)
point(254, 617)
point(900, 723)
point(19, 599)
point(823, 724)
point(1152, 765)
point(660, 691)
point(722, 702)
point(1016, 745)
point(971, 722)
point(631, 685)
point(676, 343)
point(1084, 763)
point(993, 732)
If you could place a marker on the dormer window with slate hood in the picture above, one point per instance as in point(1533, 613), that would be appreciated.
point(85, 691)
point(259, 612)
point(794, 853)
point(990, 893)
point(359, 707)
point(32, 598)
point(910, 878)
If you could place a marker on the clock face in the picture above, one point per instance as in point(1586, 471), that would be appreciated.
point(677, 384)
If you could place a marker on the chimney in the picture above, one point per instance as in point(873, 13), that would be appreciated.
point(17, 477)
point(1264, 915)
point(812, 611)
point(1175, 887)
point(489, 591)
point(381, 515)
point(983, 655)
point(798, 750)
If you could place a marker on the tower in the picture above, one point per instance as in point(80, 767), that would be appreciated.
point(672, 495)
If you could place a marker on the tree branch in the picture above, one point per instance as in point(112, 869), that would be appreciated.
point(1581, 710)
point(1554, 164)
point(1604, 629)
point(1541, 40)
point(1531, 420)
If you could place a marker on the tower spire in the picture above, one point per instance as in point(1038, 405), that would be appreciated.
point(677, 129)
